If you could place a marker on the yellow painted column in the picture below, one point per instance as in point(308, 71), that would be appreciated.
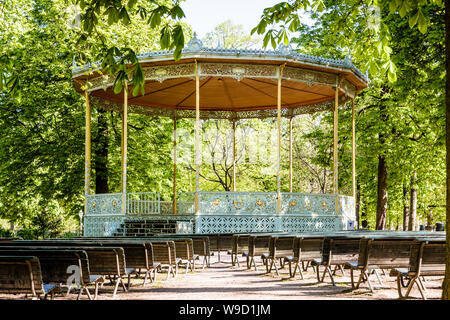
point(233, 185)
point(197, 139)
point(290, 154)
point(353, 151)
point(87, 152)
point(174, 165)
point(279, 140)
point(124, 146)
point(335, 148)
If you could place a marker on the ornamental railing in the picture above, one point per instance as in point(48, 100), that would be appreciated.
point(104, 204)
point(143, 203)
point(265, 203)
point(222, 203)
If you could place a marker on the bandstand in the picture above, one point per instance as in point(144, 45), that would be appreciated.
point(224, 84)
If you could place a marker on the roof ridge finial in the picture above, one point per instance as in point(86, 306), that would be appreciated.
point(348, 58)
point(195, 44)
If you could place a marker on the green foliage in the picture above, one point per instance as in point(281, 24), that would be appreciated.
point(359, 27)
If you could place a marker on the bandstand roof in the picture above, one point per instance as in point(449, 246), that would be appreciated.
point(234, 84)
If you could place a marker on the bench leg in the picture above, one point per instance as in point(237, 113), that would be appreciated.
point(342, 269)
point(275, 266)
point(399, 286)
point(422, 288)
point(254, 264)
point(351, 278)
point(96, 291)
point(368, 281)
point(299, 268)
point(378, 277)
point(115, 288)
point(328, 269)
point(305, 267)
point(147, 275)
point(318, 272)
point(269, 265)
point(290, 269)
point(88, 293)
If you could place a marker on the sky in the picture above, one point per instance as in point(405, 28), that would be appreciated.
point(204, 15)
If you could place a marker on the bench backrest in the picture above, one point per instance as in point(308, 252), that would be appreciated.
point(427, 258)
point(340, 251)
point(280, 247)
point(385, 253)
point(164, 252)
point(306, 249)
point(106, 260)
point(258, 245)
point(184, 249)
point(240, 243)
point(54, 261)
point(224, 242)
point(20, 274)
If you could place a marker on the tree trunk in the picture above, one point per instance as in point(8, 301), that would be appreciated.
point(364, 223)
point(412, 215)
point(101, 153)
point(382, 194)
point(405, 208)
point(446, 283)
point(358, 203)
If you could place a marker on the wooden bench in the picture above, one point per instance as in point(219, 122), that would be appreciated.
point(22, 275)
point(387, 253)
point(201, 244)
point(427, 258)
point(138, 256)
point(280, 247)
point(111, 260)
point(164, 252)
point(183, 254)
point(56, 263)
point(336, 252)
point(307, 249)
point(239, 245)
point(258, 246)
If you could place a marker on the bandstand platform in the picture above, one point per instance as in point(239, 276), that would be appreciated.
point(223, 84)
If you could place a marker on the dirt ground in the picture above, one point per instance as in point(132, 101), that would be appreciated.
point(223, 282)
